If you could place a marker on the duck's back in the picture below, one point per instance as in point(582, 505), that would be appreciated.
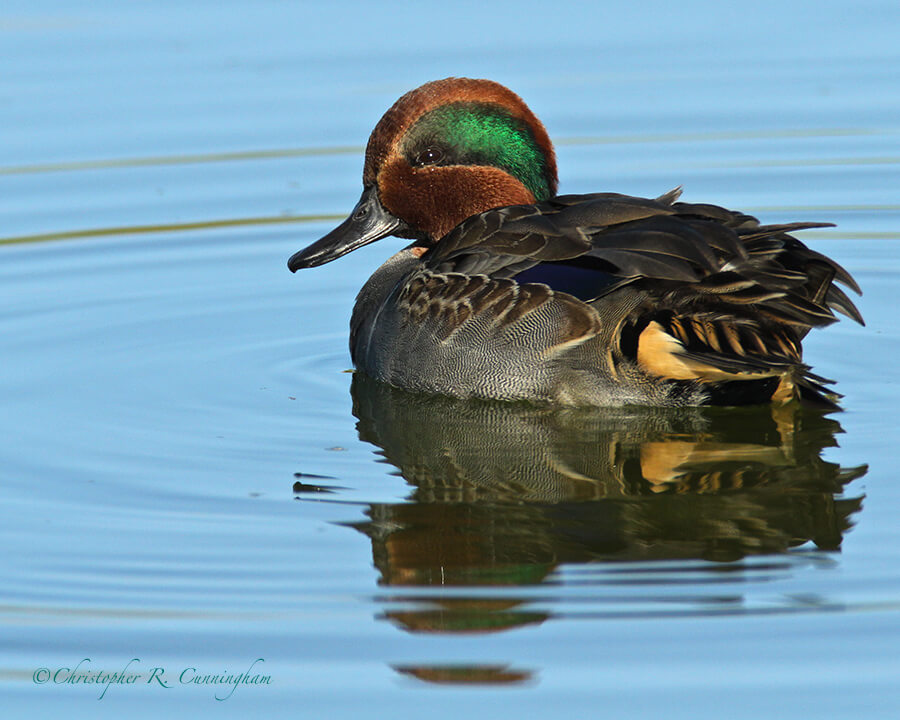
point(603, 300)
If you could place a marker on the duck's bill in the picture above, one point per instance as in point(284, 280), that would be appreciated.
point(368, 222)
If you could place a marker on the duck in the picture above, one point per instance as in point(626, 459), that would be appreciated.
point(511, 292)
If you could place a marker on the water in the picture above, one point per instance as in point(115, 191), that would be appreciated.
point(189, 479)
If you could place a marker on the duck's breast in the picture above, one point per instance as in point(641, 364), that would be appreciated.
point(465, 336)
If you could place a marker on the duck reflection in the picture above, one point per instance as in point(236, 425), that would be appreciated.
point(504, 493)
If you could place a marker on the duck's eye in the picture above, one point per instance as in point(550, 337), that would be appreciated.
point(429, 156)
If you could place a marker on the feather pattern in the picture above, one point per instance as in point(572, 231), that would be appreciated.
point(733, 298)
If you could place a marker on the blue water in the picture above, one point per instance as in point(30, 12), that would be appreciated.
point(191, 483)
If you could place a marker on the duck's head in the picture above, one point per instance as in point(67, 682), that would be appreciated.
point(444, 152)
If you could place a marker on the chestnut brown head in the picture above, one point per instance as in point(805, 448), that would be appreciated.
point(443, 152)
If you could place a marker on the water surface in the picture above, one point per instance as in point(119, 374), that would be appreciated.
point(190, 479)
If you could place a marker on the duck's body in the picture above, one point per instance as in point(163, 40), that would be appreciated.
point(513, 293)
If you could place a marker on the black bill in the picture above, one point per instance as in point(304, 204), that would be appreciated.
point(368, 222)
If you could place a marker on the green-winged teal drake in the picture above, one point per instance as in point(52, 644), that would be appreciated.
point(513, 292)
